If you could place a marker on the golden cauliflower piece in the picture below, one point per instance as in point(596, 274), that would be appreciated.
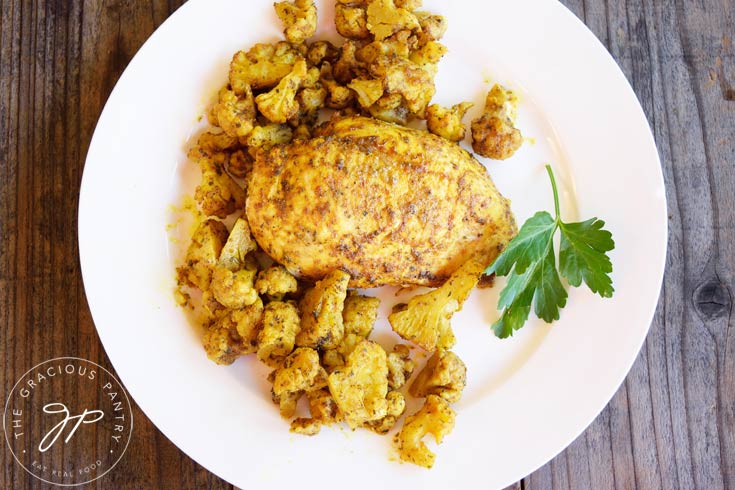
point(368, 91)
point(321, 51)
point(240, 243)
point(280, 104)
point(323, 409)
point(447, 123)
point(321, 312)
point(299, 19)
point(425, 320)
point(240, 164)
point(385, 19)
point(385, 110)
point(347, 65)
point(203, 254)
point(234, 113)
point(275, 282)
point(248, 322)
point(265, 137)
point(433, 27)
point(262, 67)
point(233, 334)
point(428, 56)
point(277, 338)
point(444, 375)
point(311, 99)
point(400, 366)
point(493, 133)
point(360, 387)
point(351, 21)
point(338, 97)
point(396, 407)
point(234, 289)
point(436, 417)
point(359, 314)
point(299, 373)
point(210, 143)
point(217, 193)
point(402, 76)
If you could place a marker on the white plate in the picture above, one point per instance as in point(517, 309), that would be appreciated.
point(527, 397)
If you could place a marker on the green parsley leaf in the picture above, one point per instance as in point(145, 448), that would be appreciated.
point(530, 262)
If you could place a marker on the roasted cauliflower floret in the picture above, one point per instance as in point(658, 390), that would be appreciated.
point(396, 407)
point(433, 27)
point(299, 19)
point(323, 409)
point(280, 104)
point(277, 338)
point(347, 65)
point(248, 322)
point(351, 21)
point(299, 373)
point(368, 91)
point(265, 137)
point(338, 97)
point(436, 417)
point(447, 123)
point(312, 99)
point(240, 243)
point(444, 375)
point(360, 387)
point(234, 289)
point(262, 67)
point(385, 110)
point(217, 193)
point(385, 19)
point(400, 366)
point(425, 320)
point(321, 308)
point(493, 133)
point(240, 164)
point(203, 254)
point(275, 282)
point(211, 142)
point(235, 113)
point(359, 314)
point(428, 56)
point(321, 51)
point(233, 334)
point(402, 76)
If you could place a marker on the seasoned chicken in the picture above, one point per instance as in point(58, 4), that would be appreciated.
point(384, 203)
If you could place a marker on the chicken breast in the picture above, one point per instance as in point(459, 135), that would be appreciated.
point(384, 203)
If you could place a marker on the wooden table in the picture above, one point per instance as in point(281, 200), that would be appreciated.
point(671, 425)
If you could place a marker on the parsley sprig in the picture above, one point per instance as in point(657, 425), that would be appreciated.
point(531, 262)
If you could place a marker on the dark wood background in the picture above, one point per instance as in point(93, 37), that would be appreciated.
point(671, 425)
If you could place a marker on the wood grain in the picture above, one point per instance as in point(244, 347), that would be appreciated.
point(671, 425)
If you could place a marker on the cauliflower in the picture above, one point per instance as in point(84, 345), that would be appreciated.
point(321, 51)
point(396, 407)
point(359, 314)
point(410, 5)
point(385, 19)
point(401, 76)
point(347, 65)
point(302, 132)
point(265, 137)
point(233, 289)
point(447, 123)
point(262, 67)
point(312, 99)
point(299, 19)
point(398, 114)
point(240, 164)
point(444, 375)
point(323, 409)
point(300, 372)
point(217, 193)
point(493, 133)
point(210, 143)
point(400, 366)
point(360, 387)
point(248, 322)
point(203, 254)
point(368, 91)
point(425, 320)
point(280, 104)
point(211, 309)
point(436, 417)
point(371, 52)
point(234, 113)
point(277, 338)
point(338, 97)
point(275, 282)
point(240, 243)
point(321, 312)
point(433, 27)
point(428, 56)
point(233, 334)
point(351, 22)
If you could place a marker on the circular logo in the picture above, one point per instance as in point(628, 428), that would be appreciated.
point(68, 421)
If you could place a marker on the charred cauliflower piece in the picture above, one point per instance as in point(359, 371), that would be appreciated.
point(275, 282)
point(493, 133)
point(396, 407)
point(233, 334)
point(280, 104)
point(262, 67)
point(425, 320)
point(384, 19)
point(265, 137)
point(444, 375)
point(321, 51)
point(299, 373)
point(321, 308)
point(359, 314)
point(240, 164)
point(234, 113)
point(351, 21)
point(203, 254)
point(447, 123)
point(436, 417)
point(277, 338)
point(404, 77)
point(360, 387)
point(299, 19)
point(400, 366)
point(217, 193)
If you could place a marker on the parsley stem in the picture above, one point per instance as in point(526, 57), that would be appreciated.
point(553, 187)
